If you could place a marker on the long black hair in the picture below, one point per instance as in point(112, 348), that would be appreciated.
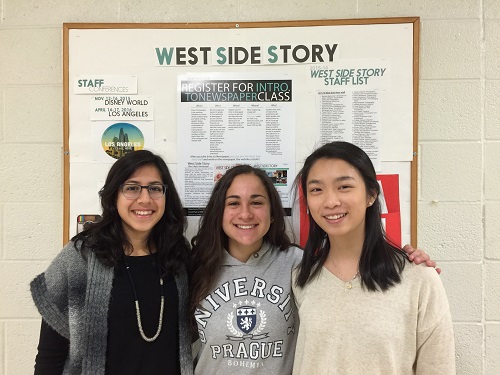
point(107, 238)
point(209, 244)
point(381, 261)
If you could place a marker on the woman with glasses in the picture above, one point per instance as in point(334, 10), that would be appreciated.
point(114, 300)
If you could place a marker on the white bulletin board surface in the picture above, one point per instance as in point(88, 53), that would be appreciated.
point(211, 95)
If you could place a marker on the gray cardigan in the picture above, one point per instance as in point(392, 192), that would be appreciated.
point(73, 296)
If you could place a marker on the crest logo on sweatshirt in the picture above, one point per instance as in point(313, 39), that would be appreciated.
point(242, 322)
point(246, 317)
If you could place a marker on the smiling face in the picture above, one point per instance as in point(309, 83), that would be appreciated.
point(141, 214)
point(337, 199)
point(247, 216)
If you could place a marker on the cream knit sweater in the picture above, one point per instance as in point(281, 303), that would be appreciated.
point(405, 330)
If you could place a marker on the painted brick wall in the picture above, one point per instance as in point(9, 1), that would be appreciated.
point(459, 147)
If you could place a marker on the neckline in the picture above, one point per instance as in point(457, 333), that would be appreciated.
point(347, 285)
point(140, 258)
point(254, 258)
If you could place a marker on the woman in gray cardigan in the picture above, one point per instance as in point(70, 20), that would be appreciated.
point(114, 300)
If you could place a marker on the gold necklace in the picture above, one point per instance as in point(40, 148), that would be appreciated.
point(347, 284)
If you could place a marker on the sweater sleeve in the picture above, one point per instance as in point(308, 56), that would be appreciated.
point(185, 347)
point(53, 350)
point(435, 339)
point(49, 291)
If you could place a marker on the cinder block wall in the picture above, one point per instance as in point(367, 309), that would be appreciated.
point(459, 147)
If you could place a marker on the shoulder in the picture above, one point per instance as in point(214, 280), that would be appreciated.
point(428, 284)
point(422, 278)
point(70, 254)
point(421, 273)
point(181, 273)
point(71, 260)
point(53, 283)
point(295, 251)
point(182, 250)
point(293, 254)
point(313, 286)
point(433, 306)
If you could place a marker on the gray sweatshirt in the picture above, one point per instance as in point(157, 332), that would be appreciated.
point(249, 322)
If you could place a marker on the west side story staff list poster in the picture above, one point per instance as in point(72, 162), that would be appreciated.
point(225, 120)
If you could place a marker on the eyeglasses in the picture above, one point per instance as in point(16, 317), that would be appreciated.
point(133, 191)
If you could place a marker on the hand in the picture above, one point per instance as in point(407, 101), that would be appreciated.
point(420, 256)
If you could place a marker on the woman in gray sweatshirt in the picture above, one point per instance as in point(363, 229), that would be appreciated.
point(242, 262)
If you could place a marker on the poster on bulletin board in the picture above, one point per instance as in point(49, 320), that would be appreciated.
point(208, 96)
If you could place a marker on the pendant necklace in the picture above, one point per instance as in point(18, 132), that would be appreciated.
point(347, 284)
point(138, 310)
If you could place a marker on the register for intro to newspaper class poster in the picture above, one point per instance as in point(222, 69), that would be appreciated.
point(230, 119)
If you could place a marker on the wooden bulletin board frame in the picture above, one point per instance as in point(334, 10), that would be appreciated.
point(71, 53)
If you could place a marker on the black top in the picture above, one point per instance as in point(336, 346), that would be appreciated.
point(127, 352)
point(52, 352)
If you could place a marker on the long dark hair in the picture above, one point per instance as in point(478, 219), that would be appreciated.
point(107, 238)
point(381, 262)
point(209, 244)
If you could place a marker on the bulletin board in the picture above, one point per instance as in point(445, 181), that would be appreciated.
point(207, 96)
